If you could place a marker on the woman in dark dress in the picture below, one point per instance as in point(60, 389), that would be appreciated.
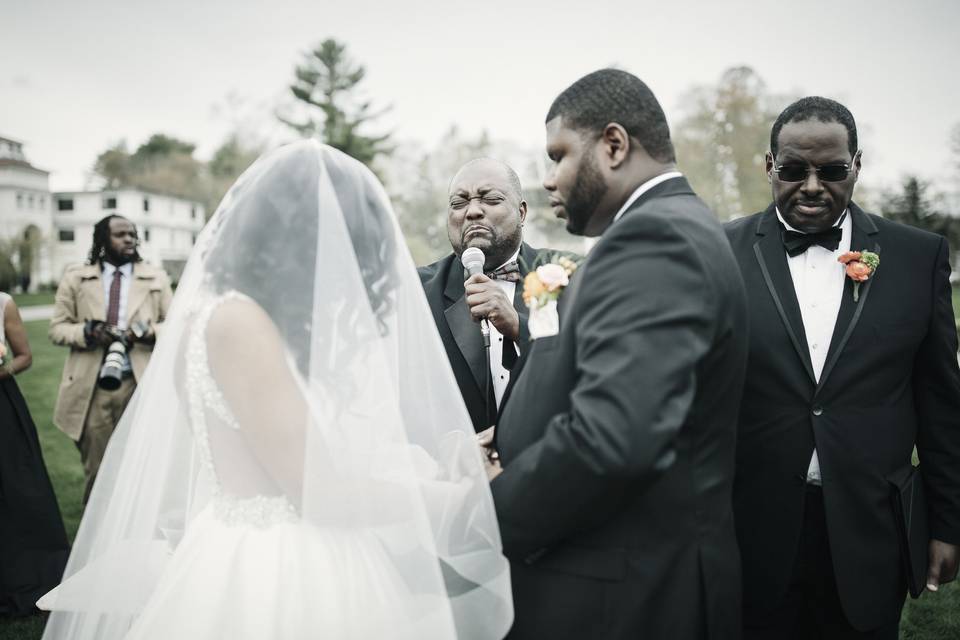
point(33, 542)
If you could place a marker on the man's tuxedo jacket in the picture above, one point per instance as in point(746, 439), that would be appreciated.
point(890, 382)
point(617, 438)
point(443, 285)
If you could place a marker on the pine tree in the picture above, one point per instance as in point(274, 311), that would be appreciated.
point(326, 83)
point(912, 206)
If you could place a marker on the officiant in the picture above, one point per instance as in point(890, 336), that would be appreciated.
point(486, 210)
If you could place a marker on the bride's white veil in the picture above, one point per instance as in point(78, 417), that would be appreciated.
point(307, 234)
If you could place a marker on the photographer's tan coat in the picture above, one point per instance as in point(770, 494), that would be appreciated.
point(80, 298)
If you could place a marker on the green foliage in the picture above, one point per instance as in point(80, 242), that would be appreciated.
point(114, 166)
point(721, 139)
point(228, 162)
point(913, 206)
point(161, 146)
point(8, 273)
point(326, 85)
point(232, 158)
point(164, 164)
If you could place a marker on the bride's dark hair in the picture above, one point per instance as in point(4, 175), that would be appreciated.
point(266, 246)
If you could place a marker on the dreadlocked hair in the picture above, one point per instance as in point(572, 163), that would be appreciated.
point(101, 240)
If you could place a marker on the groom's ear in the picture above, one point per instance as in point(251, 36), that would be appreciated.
point(616, 144)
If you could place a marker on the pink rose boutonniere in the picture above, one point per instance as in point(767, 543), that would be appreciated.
point(860, 266)
point(541, 290)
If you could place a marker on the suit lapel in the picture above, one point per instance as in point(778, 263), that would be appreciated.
point(92, 287)
point(864, 237)
point(776, 274)
point(466, 333)
point(139, 290)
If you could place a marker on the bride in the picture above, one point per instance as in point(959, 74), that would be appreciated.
point(297, 462)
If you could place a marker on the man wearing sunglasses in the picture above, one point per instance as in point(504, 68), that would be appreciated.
point(844, 379)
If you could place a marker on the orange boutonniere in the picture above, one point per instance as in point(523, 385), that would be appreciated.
point(546, 282)
point(541, 290)
point(860, 266)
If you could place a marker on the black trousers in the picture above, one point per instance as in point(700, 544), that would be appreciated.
point(811, 608)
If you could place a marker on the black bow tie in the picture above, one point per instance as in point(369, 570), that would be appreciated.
point(796, 243)
point(509, 272)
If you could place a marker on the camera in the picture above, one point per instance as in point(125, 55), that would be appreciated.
point(111, 371)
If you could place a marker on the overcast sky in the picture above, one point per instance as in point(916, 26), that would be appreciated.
point(79, 75)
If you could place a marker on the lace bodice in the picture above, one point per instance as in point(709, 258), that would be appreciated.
point(204, 399)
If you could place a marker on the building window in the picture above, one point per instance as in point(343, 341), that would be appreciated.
point(146, 205)
point(193, 212)
point(146, 234)
point(64, 204)
point(43, 201)
point(30, 201)
point(66, 235)
point(109, 202)
point(193, 239)
point(19, 200)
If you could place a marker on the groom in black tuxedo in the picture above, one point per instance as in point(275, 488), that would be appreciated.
point(486, 210)
point(617, 439)
point(842, 382)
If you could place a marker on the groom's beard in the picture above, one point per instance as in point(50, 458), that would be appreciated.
point(587, 191)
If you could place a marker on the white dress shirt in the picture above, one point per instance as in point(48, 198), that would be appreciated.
point(642, 189)
point(818, 280)
point(126, 271)
point(498, 373)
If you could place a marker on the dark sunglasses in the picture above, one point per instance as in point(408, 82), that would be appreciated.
point(800, 173)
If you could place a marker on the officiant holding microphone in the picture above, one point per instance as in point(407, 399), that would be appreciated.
point(486, 212)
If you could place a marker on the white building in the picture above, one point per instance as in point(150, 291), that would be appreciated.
point(26, 223)
point(168, 226)
point(59, 226)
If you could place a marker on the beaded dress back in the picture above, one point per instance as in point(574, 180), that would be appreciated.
point(206, 404)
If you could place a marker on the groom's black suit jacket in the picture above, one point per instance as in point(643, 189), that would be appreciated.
point(443, 285)
point(617, 438)
point(890, 381)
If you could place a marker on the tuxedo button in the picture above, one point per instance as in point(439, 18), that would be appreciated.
point(817, 410)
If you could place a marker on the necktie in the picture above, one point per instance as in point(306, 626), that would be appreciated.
point(509, 272)
point(113, 305)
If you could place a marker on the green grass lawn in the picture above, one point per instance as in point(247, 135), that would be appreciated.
point(932, 617)
point(33, 299)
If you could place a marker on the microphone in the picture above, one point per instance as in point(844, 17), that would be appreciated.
point(473, 261)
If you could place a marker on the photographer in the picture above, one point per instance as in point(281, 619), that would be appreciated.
point(108, 311)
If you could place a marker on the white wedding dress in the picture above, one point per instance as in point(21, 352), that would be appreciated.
point(297, 461)
point(247, 564)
